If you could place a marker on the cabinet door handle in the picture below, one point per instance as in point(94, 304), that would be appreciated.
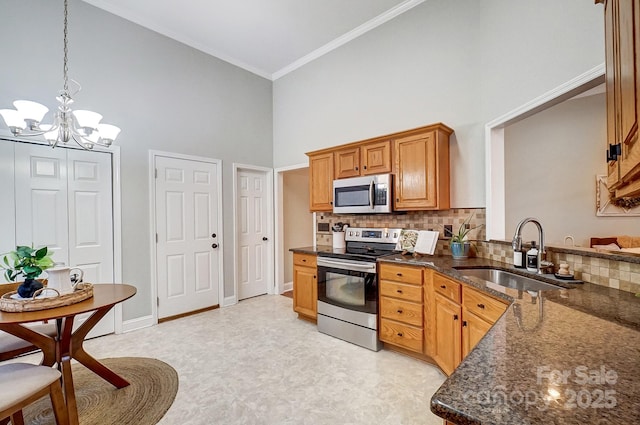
point(365, 167)
point(399, 333)
point(443, 286)
point(314, 276)
point(455, 317)
point(399, 311)
point(464, 323)
point(399, 291)
point(356, 168)
point(481, 305)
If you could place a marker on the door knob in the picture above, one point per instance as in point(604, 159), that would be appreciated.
point(213, 235)
point(214, 245)
point(264, 238)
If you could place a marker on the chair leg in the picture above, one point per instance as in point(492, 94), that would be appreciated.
point(17, 418)
point(58, 403)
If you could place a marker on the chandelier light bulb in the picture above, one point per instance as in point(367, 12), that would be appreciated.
point(14, 120)
point(31, 111)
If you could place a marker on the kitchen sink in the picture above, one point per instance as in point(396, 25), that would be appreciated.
point(508, 279)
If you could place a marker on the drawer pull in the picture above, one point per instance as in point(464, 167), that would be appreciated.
point(304, 260)
point(399, 291)
point(399, 274)
point(480, 305)
point(399, 333)
point(443, 286)
point(399, 311)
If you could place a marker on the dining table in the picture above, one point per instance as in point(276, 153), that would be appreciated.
point(68, 343)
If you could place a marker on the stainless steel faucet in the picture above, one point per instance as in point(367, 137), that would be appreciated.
point(517, 239)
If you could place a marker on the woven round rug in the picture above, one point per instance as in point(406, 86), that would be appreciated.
point(153, 387)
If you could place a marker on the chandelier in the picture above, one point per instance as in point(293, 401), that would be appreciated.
point(82, 126)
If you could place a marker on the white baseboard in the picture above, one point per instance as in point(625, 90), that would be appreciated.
point(287, 287)
point(139, 323)
point(229, 301)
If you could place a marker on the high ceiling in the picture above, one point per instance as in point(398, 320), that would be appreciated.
point(267, 37)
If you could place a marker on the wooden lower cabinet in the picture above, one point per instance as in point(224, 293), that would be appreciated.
point(473, 330)
point(401, 307)
point(305, 285)
point(448, 334)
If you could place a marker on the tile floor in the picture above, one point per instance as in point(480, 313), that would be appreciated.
point(256, 363)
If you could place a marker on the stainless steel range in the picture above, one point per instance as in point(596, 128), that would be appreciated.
point(348, 286)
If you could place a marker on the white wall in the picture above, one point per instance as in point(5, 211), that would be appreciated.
point(164, 96)
point(551, 160)
point(298, 221)
point(462, 62)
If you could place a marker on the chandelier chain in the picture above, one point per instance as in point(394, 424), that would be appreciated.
point(65, 67)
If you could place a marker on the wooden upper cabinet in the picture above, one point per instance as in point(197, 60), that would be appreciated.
point(347, 162)
point(622, 41)
point(363, 160)
point(321, 182)
point(376, 158)
point(422, 171)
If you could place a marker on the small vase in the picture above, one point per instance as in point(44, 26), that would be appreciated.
point(460, 250)
point(29, 287)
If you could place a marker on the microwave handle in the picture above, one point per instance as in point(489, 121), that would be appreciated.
point(372, 194)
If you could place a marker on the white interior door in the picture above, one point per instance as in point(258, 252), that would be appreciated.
point(90, 223)
point(187, 250)
point(8, 211)
point(253, 233)
point(41, 199)
point(63, 199)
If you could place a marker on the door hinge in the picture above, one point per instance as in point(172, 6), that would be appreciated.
point(156, 172)
point(157, 301)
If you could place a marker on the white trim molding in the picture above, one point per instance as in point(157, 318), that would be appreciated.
point(494, 143)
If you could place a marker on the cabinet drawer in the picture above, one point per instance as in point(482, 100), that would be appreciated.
point(400, 290)
point(406, 336)
point(482, 305)
point(446, 287)
point(404, 274)
point(308, 260)
point(403, 311)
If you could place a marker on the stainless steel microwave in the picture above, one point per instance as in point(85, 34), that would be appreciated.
point(363, 195)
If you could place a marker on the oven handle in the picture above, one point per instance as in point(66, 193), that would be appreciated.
point(372, 195)
point(356, 266)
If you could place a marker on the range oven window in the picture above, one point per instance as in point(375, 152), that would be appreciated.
point(350, 289)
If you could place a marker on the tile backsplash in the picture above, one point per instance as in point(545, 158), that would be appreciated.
point(612, 273)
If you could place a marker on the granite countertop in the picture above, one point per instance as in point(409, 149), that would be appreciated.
point(569, 356)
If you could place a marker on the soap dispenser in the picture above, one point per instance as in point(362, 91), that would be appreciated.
point(532, 258)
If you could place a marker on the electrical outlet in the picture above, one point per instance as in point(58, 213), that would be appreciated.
point(448, 230)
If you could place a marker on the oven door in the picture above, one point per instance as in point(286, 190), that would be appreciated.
point(352, 285)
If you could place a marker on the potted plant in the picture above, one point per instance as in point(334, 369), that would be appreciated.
point(29, 263)
point(459, 244)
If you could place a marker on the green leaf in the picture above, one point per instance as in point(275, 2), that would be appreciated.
point(41, 253)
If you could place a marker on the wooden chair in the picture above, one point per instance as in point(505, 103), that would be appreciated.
point(12, 346)
point(22, 384)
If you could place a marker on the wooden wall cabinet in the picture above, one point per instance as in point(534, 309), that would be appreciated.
point(418, 159)
point(363, 160)
point(622, 42)
point(422, 170)
point(321, 182)
point(305, 285)
point(401, 307)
